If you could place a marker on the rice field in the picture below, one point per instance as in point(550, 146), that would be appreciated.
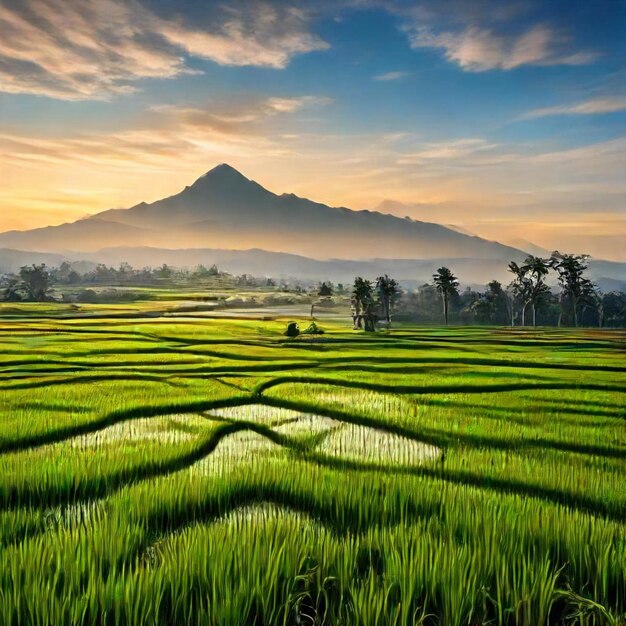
point(197, 470)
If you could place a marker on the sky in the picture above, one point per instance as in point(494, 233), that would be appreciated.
point(507, 119)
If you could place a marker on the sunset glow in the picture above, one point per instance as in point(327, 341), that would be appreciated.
point(508, 120)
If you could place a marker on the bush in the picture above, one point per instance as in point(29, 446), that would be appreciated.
point(293, 330)
point(313, 329)
point(91, 296)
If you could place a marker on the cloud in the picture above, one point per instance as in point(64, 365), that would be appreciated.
point(602, 154)
point(487, 35)
point(268, 37)
point(291, 105)
point(446, 150)
point(168, 135)
point(590, 107)
point(391, 76)
point(234, 118)
point(478, 49)
point(96, 49)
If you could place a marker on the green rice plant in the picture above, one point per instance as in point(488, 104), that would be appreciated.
point(178, 469)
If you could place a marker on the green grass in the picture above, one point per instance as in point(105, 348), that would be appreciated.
point(178, 470)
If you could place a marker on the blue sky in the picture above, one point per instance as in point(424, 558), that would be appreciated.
point(507, 118)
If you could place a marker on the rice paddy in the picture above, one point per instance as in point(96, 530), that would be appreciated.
point(198, 470)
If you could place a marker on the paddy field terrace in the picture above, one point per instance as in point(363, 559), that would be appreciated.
point(159, 466)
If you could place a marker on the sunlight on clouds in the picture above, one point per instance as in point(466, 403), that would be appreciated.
point(270, 39)
point(480, 49)
point(96, 49)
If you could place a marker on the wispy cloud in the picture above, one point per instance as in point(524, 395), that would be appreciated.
point(172, 145)
point(95, 49)
point(260, 34)
point(597, 106)
point(233, 118)
point(487, 35)
point(291, 105)
point(388, 76)
point(600, 155)
point(447, 150)
point(478, 49)
point(169, 134)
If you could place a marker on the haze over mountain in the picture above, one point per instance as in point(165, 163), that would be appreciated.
point(224, 209)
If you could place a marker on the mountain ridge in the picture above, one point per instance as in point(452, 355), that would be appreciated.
point(223, 208)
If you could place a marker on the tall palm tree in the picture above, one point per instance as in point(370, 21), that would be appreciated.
point(447, 285)
point(387, 289)
point(362, 301)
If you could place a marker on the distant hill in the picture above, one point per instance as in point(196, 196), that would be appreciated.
point(91, 233)
point(12, 260)
point(283, 265)
point(611, 284)
point(224, 209)
point(411, 272)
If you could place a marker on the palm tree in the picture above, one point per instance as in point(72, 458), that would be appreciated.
point(387, 289)
point(447, 285)
point(362, 301)
point(570, 268)
point(529, 285)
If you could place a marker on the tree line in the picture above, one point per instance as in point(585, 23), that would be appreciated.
point(527, 299)
point(36, 282)
point(577, 301)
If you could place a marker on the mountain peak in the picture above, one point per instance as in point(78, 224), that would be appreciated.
point(223, 171)
point(224, 167)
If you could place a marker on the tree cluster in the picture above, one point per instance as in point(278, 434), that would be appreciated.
point(371, 302)
point(577, 301)
point(33, 283)
point(125, 274)
point(576, 292)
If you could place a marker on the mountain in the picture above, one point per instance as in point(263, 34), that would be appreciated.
point(529, 247)
point(91, 233)
point(610, 284)
point(224, 209)
point(460, 229)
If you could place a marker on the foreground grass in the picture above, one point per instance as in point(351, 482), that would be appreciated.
point(131, 494)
